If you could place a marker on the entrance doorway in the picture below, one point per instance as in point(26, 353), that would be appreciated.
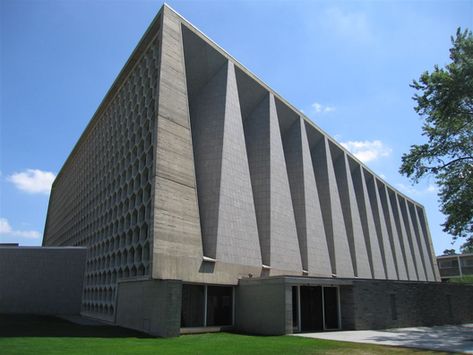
point(315, 308)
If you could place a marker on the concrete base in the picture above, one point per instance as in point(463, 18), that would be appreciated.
point(150, 306)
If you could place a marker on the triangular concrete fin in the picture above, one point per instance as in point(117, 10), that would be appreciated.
point(394, 237)
point(332, 211)
point(425, 249)
point(237, 240)
point(401, 231)
point(273, 203)
point(380, 224)
point(285, 251)
point(425, 229)
point(367, 222)
point(418, 239)
point(318, 258)
point(411, 239)
point(363, 268)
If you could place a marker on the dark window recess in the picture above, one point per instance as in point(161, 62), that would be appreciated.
point(331, 307)
point(219, 305)
point(311, 308)
point(193, 302)
point(392, 298)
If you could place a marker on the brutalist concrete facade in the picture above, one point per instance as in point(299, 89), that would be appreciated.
point(194, 170)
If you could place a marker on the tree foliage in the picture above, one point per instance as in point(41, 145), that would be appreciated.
point(449, 252)
point(444, 100)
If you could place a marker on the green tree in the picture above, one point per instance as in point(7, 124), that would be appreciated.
point(449, 252)
point(444, 100)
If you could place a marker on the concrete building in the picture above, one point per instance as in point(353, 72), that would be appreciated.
point(206, 200)
point(452, 266)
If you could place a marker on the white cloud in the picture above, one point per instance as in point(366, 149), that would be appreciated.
point(6, 229)
point(367, 150)
point(319, 108)
point(33, 181)
point(411, 190)
point(351, 25)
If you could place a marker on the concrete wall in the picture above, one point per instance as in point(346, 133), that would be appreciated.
point(261, 308)
point(368, 304)
point(38, 280)
point(150, 306)
point(264, 306)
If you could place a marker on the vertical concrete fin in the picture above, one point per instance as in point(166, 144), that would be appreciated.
point(418, 238)
point(394, 237)
point(237, 239)
point(207, 119)
point(428, 241)
point(176, 229)
point(380, 224)
point(257, 138)
point(275, 215)
point(305, 200)
point(361, 253)
point(410, 238)
point(318, 258)
point(285, 251)
point(401, 230)
point(367, 223)
point(429, 271)
point(329, 198)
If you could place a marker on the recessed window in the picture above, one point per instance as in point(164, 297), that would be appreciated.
point(205, 306)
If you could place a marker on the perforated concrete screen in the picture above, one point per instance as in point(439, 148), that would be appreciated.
point(192, 169)
point(102, 196)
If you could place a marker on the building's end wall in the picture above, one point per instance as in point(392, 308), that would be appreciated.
point(38, 280)
point(150, 306)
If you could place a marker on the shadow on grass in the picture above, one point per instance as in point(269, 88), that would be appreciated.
point(47, 326)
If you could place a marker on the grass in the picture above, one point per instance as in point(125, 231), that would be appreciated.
point(466, 279)
point(47, 335)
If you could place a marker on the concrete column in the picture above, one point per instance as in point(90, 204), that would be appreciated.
point(176, 228)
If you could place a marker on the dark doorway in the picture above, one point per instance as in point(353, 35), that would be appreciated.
point(311, 308)
point(192, 309)
point(331, 307)
point(219, 305)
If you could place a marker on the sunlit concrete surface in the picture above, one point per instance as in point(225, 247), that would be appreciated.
point(454, 338)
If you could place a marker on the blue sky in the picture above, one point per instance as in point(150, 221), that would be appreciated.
point(347, 65)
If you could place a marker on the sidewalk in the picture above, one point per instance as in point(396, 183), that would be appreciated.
point(454, 338)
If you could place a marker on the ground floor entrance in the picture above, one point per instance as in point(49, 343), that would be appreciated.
point(315, 308)
point(206, 306)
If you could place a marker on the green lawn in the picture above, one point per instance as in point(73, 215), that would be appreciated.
point(42, 335)
point(466, 279)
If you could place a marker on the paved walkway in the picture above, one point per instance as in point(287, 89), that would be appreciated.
point(455, 338)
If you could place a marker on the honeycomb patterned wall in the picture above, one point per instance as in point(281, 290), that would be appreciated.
point(102, 197)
